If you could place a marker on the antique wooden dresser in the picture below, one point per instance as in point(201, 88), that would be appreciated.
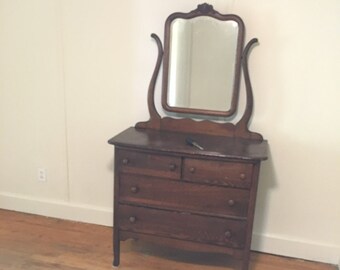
point(187, 183)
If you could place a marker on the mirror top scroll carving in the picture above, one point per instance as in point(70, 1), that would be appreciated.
point(202, 62)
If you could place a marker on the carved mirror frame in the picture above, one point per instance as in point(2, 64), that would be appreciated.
point(208, 11)
point(188, 125)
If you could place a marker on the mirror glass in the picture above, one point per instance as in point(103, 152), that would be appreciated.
point(202, 63)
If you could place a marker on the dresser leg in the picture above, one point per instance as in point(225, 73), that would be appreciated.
point(245, 266)
point(116, 256)
point(246, 263)
point(116, 248)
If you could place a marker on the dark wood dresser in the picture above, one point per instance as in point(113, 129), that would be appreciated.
point(184, 181)
point(170, 192)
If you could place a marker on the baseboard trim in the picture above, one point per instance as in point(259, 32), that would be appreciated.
point(56, 209)
point(266, 243)
point(296, 248)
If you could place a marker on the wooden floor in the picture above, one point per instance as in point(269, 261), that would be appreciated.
point(38, 243)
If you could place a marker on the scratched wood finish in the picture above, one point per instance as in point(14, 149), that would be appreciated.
point(29, 242)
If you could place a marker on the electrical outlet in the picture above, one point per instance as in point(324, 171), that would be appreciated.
point(42, 175)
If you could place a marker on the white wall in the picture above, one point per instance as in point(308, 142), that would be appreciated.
point(75, 72)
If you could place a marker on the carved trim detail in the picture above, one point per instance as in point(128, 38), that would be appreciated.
point(205, 8)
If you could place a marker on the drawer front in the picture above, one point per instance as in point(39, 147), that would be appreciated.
point(196, 228)
point(222, 173)
point(149, 164)
point(164, 193)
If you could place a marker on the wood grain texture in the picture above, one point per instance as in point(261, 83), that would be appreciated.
point(150, 164)
point(174, 142)
point(183, 196)
point(229, 174)
point(182, 226)
point(29, 242)
point(220, 163)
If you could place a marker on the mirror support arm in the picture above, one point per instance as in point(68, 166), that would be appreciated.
point(238, 130)
point(154, 121)
point(242, 124)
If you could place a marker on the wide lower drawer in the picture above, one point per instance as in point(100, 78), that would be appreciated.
point(183, 226)
point(230, 174)
point(148, 164)
point(164, 193)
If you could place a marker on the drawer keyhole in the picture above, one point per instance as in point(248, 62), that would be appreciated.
point(242, 176)
point(126, 161)
point(134, 189)
point(192, 169)
point(132, 219)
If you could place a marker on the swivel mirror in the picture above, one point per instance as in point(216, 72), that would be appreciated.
point(203, 56)
point(202, 62)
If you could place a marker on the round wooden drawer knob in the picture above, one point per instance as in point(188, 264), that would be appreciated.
point(126, 161)
point(172, 167)
point(231, 202)
point(192, 169)
point(132, 219)
point(227, 234)
point(134, 189)
point(242, 176)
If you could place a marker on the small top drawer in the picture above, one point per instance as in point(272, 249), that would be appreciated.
point(230, 174)
point(148, 164)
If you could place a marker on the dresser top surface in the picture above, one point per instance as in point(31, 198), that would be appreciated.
point(175, 143)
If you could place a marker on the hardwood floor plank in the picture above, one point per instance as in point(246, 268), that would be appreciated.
point(30, 242)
